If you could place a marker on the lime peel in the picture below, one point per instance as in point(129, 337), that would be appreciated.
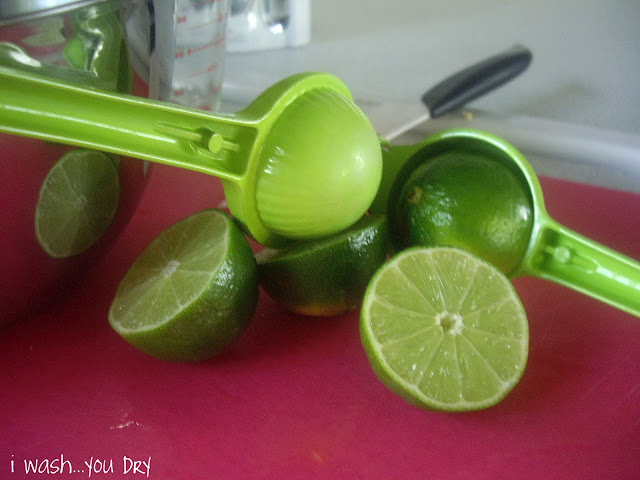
point(326, 276)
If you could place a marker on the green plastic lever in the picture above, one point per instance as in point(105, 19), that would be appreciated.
point(570, 259)
point(301, 161)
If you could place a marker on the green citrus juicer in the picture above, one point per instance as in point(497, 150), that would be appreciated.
point(301, 161)
point(554, 252)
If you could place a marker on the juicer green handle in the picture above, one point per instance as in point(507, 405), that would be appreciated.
point(35, 106)
point(566, 257)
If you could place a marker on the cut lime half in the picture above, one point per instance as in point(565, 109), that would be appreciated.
point(444, 329)
point(469, 201)
point(191, 292)
point(77, 202)
point(326, 276)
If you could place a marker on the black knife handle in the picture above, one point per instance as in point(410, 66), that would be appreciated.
point(471, 82)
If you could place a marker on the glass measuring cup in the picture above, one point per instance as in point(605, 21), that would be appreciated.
point(180, 45)
point(554, 252)
point(301, 161)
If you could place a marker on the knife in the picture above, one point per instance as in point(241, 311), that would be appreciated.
point(392, 119)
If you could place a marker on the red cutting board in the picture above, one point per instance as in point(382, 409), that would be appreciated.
point(295, 398)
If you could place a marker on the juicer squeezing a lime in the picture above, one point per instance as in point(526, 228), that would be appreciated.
point(300, 162)
point(549, 250)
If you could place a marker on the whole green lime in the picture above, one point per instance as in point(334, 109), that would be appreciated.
point(465, 200)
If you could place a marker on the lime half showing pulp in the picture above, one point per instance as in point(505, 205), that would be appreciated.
point(444, 329)
point(77, 202)
point(191, 292)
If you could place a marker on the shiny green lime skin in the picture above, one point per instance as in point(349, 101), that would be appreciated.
point(465, 200)
point(327, 276)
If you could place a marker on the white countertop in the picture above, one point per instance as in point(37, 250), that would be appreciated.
point(585, 69)
point(586, 65)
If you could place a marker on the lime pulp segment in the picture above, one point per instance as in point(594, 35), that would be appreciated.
point(444, 329)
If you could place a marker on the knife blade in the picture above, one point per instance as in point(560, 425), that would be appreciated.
point(391, 119)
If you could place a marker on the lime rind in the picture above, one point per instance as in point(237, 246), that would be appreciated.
point(465, 200)
point(360, 233)
point(326, 276)
point(469, 365)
